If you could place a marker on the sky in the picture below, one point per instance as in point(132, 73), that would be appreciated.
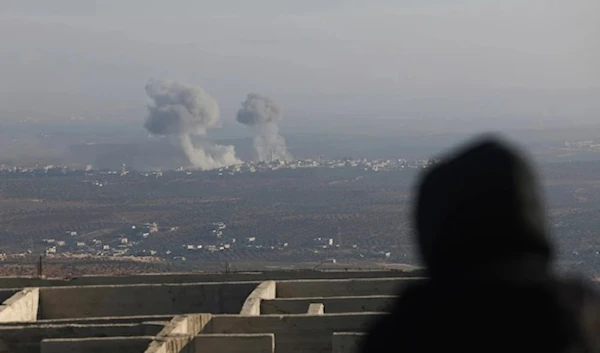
point(328, 61)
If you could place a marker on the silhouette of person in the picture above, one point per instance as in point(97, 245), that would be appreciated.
point(481, 233)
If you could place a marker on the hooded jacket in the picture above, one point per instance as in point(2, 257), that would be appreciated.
point(481, 233)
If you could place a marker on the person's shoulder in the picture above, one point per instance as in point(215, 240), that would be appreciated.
point(583, 298)
point(578, 291)
point(400, 323)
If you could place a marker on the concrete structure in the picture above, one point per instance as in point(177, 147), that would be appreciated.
point(265, 290)
point(21, 307)
point(266, 312)
point(316, 309)
point(343, 342)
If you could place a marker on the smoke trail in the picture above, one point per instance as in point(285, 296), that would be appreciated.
point(187, 111)
point(263, 113)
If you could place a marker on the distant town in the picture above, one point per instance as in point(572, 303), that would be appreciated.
point(246, 167)
point(589, 145)
point(306, 211)
point(130, 239)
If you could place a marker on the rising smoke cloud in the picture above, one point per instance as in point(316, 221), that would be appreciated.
point(263, 114)
point(187, 112)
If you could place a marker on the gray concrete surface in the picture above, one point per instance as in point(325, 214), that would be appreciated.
point(102, 320)
point(21, 282)
point(333, 305)
point(227, 343)
point(234, 343)
point(265, 290)
point(21, 307)
point(347, 342)
point(7, 293)
point(178, 344)
point(210, 316)
point(27, 339)
point(294, 333)
point(130, 300)
point(97, 345)
point(342, 287)
point(316, 309)
point(190, 325)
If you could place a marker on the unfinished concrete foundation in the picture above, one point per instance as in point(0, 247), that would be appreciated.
point(305, 311)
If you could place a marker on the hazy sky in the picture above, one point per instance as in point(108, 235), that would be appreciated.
point(322, 59)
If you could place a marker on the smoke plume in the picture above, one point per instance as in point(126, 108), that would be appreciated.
point(187, 111)
point(263, 114)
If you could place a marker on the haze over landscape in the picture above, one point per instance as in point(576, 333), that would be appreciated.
point(510, 60)
point(298, 127)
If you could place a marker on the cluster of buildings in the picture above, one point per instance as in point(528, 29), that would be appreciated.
point(363, 164)
point(246, 167)
point(131, 242)
point(49, 169)
point(589, 145)
point(52, 169)
point(121, 243)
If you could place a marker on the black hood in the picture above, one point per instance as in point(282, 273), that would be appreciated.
point(481, 208)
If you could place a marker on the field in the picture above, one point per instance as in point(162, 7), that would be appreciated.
point(272, 218)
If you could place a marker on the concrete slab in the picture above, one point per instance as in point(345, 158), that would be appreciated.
point(156, 318)
point(97, 345)
point(343, 287)
point(316, 309)
point(265, 290)
point(333, 305)
point(189, 325)
point(295, 333)
point(257, 276)
point(21, 307)
point(7, 293)
point(178, 344)
point(135, 300)
point(234, 343)
point(103, 320)
point(27, 339)
point(347, 342)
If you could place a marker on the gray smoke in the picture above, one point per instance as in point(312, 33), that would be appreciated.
point(187, 111)
point(263, 114)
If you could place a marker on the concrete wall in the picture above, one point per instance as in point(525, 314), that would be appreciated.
point(345, 287)
point(332, 305)
point(347, 342)
point(7, 293)
point(238, 343)
point(176, 344)
point(266, 290)
point(97, 345)
point(189, 325)
point(102, 320)
point(95, 301)
point(295, 333)
point(20, 282)
point(21, 307)
point(316, 309)
point(178, 334)
point(197, 322)
point(229, 343)
point(27, 339)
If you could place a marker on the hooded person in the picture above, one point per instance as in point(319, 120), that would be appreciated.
point(481, 232)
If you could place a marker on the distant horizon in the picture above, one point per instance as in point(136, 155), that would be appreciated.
point(373, 125)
